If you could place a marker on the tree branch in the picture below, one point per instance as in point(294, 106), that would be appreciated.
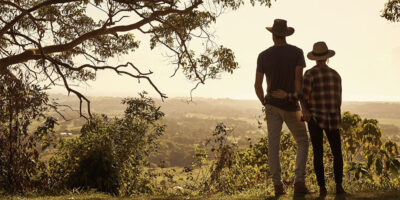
point(25, 12)
point(35, 54)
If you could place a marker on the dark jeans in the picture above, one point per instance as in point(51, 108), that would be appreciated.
point(316, 134)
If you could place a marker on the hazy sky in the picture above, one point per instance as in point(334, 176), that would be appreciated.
point(367, 51)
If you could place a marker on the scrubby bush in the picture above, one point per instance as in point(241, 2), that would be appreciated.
point(111, 153)
point(369, 162)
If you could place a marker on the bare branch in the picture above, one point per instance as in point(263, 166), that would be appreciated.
point(194, 88)
point(117, 70)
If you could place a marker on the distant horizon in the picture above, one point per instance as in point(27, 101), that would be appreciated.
point(213, 98)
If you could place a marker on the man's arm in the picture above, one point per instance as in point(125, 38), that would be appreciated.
point(298, 83)
point(301, 64)
point(258, 86)
point(340, 90)
point(299, 86)
point(307, 86)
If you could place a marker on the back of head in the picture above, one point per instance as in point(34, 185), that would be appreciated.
point(278, 39)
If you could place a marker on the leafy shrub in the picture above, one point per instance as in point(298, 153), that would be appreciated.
point(369, 162)
point(110, 153)
point(20, 105)
point(235, 170)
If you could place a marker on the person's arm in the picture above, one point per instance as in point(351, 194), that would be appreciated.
point(258, 86)
point(303, 95)
point(298, 82)
point(340, 89)
point(306, 91)
point(299, 87)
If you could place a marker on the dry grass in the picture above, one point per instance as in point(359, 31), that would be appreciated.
point(390, 195)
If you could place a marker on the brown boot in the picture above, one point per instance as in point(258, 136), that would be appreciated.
point(340, 190)
point(322, 191)
point(279, 190)
point(300, 188)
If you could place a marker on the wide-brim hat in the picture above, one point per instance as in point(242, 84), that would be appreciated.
point(320, 52)
point(280, 28)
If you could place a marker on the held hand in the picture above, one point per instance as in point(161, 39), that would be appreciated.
point(306, 115)
point(262, 102)
point(279, 94)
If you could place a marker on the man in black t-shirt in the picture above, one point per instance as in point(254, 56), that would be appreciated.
point(282, 64)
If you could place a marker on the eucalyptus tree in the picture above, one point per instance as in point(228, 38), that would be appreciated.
point(60, 42)
point(46, 43)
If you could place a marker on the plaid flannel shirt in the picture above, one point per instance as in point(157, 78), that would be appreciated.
point(322, 94)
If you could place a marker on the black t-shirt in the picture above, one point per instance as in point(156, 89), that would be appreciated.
point(278, 63)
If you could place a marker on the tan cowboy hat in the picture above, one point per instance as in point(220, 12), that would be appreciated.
point(320, 52)
point(280, 28)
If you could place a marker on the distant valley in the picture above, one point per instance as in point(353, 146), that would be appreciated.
point(191, 123)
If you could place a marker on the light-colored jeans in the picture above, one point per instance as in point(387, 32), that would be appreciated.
point(275, 118)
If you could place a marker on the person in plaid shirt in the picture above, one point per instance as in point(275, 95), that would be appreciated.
point(321, 99)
